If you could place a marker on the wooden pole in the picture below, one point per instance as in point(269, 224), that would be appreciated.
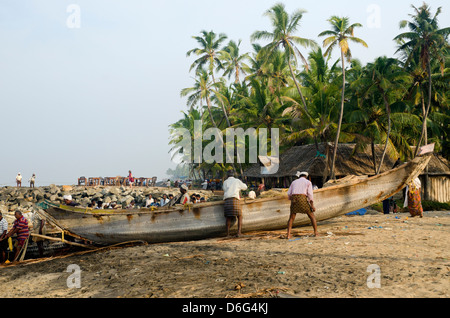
point(60, 240)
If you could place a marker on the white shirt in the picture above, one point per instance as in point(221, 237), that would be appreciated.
point(148, 202)
point(19, 177)
point(163, 202)
point(3, 226)
point(231, 188)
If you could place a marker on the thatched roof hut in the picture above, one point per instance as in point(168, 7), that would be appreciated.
point(436, 180)
point(349, 161)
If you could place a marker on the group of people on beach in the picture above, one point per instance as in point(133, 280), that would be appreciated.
point(300, 194)
point(150, 201)
point(19, 180)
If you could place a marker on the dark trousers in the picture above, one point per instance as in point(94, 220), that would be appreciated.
point(386, 206)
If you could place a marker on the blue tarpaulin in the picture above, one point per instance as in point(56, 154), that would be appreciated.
point(357, 212)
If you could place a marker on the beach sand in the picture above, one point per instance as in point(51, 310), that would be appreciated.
point(412, 254)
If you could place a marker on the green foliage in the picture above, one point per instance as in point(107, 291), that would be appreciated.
point(390, 101)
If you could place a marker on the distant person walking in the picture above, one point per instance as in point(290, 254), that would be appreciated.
point(301, 195)
point(19, 180)
point(130, 178)
point(32, 180)
point(232, 206)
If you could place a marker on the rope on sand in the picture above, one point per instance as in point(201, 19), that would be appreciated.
point(39, 260)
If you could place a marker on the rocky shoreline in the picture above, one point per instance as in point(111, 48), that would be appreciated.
point(26, 198)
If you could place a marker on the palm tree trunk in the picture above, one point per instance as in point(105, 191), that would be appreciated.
point(374, 159)
point(296, 84)
point(425, 116)
point(327, 163)
point(388, 112)
point(208, 102)
point(332, 174)
point(424, 131)
point(229, 125)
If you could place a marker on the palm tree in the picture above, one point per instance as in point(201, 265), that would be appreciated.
point(387, 78)
point(284, 27)
point(203, 90)
point(199, 92)
point(188, 123)
point(340, 34)
point(233, 61)
point(315, 125)
point(426, 42)
point(260, 109)
point(208, 51)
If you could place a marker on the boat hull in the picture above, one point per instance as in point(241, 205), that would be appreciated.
point(205, 220)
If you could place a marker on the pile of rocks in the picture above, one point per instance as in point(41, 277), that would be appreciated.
point(26, 199)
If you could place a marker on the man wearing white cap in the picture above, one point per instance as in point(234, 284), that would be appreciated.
point(184, 199)
point(68, 200)
point(301, 195)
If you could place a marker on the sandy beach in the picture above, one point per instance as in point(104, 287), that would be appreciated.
point(412, 254)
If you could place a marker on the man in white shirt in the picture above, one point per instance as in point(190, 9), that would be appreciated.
point(232, 206)
point(19, 180)
point(32, 180)
point(149, 201)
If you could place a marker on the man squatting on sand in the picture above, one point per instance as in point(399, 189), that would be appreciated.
point(301, 195)
point(232, 206)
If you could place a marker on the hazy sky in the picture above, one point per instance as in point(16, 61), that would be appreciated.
point(96, 100)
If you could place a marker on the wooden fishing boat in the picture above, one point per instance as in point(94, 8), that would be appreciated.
point(206, 220)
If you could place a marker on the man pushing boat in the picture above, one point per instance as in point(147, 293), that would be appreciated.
point(232, 206)
point(301, 195)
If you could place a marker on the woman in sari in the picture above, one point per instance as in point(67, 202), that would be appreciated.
point(413, 200)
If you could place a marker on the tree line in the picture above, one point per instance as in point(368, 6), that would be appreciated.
point(393, 101)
